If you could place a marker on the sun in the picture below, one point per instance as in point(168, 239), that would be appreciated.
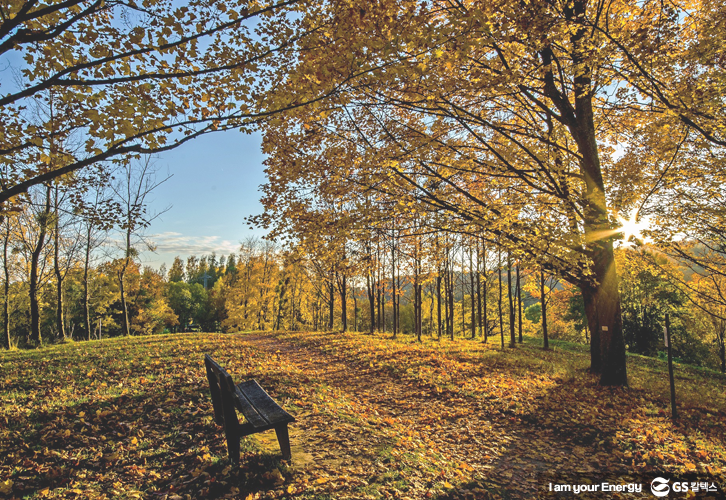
point(631, 228)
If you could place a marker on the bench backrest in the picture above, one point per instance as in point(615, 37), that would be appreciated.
point(221, 387)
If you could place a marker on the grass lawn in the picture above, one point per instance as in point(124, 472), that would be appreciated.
point(376, 418)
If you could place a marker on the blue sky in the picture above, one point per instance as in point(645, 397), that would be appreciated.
point(214, 186)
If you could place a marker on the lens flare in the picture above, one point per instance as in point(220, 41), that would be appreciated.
point(631, 228)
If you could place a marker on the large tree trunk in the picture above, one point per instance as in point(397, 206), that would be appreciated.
point(605, 321)
point(604, 318)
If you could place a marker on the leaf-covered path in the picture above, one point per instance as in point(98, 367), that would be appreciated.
point(485, 429)
point(436, 437)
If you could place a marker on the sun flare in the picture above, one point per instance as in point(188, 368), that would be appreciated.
point(632, 227)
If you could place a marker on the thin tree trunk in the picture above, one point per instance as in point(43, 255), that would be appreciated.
point(393, 284)
point(35, 334)
point(382, 309)
point(344, 302)
point(418, 299)
point(57, 270)
point(519, 304)
point(431, 311)
point(371, 301)
point(512, 334)
point(355, 310)
point(6, 285)
point(331, 301)
point(86, 298)
point(478, 286)
point(122, 289)
point(543, 302)
point(722, 354)
point(438, 304)
point(472, 294)
point(452, 312)
point(463, 294)
point(485, 319)
point(501, 315)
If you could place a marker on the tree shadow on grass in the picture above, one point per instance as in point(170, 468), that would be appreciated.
point(116, 424)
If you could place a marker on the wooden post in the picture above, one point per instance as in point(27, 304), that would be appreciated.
point(667, 336)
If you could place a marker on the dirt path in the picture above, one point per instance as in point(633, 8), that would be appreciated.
point(489, 451)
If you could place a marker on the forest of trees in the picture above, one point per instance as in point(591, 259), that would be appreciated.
point(395, 279)
point(421, 157)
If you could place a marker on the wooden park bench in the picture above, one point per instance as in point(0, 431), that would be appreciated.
point(260, 411)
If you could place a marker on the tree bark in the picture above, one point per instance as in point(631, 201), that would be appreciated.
point(501, 316)
point(60, 320)
point(512, 335)
point(331, 301)
point(485, 317)
point(393, 284)
point(472, 293)
point(35, 334)
point(121, 279)
point(6, 285)
point(450, 293)
point(604, 294)
point(371, 300)
point(344, 301)
point(519, 304)
point(355, 310)
point(438, 304)
point(543, 303)
point(86, 294)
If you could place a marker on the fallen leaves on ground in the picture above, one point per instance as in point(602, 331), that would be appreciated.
point(376, 418)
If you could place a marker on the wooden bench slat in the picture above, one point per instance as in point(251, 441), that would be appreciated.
point(251, 414)
point(265, 405)
point(214, 365)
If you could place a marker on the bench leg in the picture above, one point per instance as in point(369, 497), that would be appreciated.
point(284, 439)
point(233, 446)
point(231, 428)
